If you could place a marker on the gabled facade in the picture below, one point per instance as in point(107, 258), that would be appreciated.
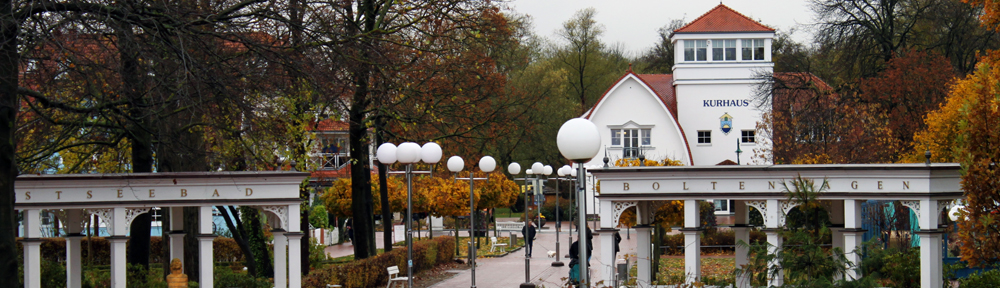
point(702, 113)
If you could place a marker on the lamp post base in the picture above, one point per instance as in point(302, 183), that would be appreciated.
point(527, 285)
point(558, 264)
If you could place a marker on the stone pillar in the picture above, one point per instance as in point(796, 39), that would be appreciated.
point(280, 263)
point(294, 242)
point(32, 248)
point(643, 255)
point(852, 235)
point(742, 233)
point(692, 242)
point(930, 243)
point(606, 263)
point(118, 267)
point(117, 229)
point(73, 263)
point(74, 225)
point(205, 254)
point(772, 220)
point(176, 233)
point(930, 258)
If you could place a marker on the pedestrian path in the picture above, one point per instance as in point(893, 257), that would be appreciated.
point(509, 271)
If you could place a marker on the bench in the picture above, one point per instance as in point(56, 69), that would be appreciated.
point(510, 226)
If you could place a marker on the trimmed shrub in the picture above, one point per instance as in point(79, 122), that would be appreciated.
point(719, 238)
point(371, 272)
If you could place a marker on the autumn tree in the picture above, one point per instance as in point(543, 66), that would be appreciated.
point(590, 66)
point(913, 84)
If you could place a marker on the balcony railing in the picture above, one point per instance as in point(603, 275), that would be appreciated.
point(330, 161)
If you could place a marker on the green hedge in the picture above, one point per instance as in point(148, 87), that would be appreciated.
point(54, 249)
point(371, 272)
point(725, 237)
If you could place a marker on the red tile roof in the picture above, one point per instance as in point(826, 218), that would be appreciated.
point(723, 19)
point(329, 125)
point(663, 86)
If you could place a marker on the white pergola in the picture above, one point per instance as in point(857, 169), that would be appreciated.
point(927, 189)
point(118, 198)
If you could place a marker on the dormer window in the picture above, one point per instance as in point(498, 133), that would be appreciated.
point(724, 50)
point(753, 49)
point(695, 50)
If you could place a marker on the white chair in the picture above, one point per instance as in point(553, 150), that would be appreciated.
point(494, 244)
point(394, 276)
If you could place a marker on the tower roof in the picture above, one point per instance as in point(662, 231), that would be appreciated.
point(723, 19)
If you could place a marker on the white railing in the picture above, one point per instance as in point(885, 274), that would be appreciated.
point(510, 226)
point(330, 161)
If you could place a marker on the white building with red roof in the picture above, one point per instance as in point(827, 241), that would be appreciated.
point(702, 113)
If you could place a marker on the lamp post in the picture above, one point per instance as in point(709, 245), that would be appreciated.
point(562, 172)
point(738, 151)
point(409, 153)
point(579, 141)
point(514, 169)
point(486, 164)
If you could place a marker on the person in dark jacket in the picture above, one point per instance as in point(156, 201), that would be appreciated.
point(528, 231)
point(618, 241)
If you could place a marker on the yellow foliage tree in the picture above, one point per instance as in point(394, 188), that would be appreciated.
point(965, 130)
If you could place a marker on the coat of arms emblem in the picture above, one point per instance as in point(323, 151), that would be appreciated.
point(727, 123)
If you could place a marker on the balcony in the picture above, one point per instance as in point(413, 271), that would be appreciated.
point(329, 161)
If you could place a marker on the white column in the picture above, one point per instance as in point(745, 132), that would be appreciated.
point(930, 259)
point(742, 233)
point(32, 249)
point(176, 234)
point(73, 263)
point(118, 239)
point(206, 262)
point(606, 264)
point(294, 240)
point(280, 264)
point(692, 242)
point(774, 239)
point(930, 244)
point(643, 255)
point(852, 235)
point(74, 225)
point(118, 267)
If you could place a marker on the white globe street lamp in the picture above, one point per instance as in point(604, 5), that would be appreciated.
point(408, 153)
point(486, 164)
point(579, 141)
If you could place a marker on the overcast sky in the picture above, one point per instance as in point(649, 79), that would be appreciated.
point(634, 22)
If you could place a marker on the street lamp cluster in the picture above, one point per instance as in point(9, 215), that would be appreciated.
point(578, 140)
point(409, 153)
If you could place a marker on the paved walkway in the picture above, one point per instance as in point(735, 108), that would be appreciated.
point(508, 271)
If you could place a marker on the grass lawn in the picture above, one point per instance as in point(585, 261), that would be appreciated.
point(484, 246)
point(714, 271)
point(505, 213)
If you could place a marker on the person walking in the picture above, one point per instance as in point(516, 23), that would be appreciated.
point(574, 263)
point(528, 231)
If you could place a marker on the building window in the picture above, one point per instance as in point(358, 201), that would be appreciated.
point(724, 50)
point(705, 137)
point(753, 49)
point(721, 205)
point(747, 136)
point(631, 140)
point(695, 50)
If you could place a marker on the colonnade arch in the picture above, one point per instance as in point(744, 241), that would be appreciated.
point(924, 188)
point(117, 199)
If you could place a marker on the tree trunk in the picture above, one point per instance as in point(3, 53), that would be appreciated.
point(237, 231)
point(383, 191)
point(255, 238)
point(9, 104)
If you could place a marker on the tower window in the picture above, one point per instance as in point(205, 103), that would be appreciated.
point(695, 50)
point(753, 49)
point(724, 50)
